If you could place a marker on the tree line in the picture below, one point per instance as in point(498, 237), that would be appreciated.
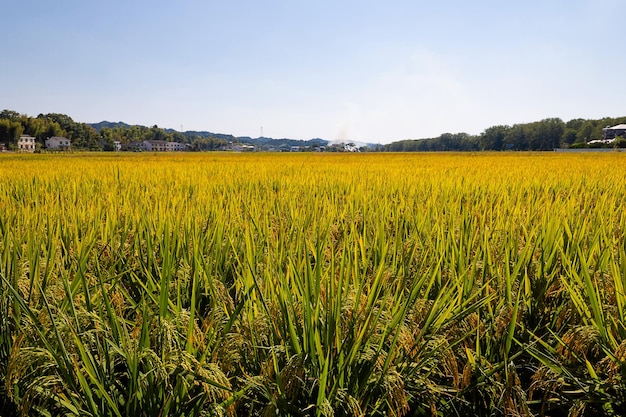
point(546, 134)
point(86, 137)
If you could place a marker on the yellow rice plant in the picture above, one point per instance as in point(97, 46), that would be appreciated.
point(312, 284)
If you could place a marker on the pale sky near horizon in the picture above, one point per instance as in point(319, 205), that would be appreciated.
point(367, 71)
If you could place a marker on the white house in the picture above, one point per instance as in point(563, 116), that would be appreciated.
point(155, 145)
point(614, 132)
point(163, 146)
point(175, 146)
point(58, 143)
point(26, 143)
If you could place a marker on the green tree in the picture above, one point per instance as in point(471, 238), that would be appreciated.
point(106, 139)
point(53, 129)
point(64, 121)
point(547, 134)
point(10, 131)
point(585, 131)
point(35, 127)
point(493, 138)
point(516, 136)
point(569, 136)
point(574, 124)
point(10, 115)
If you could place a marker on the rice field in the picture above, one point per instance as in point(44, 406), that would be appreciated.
point(313, 284)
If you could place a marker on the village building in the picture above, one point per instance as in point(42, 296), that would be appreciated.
point(175, 147)
point(26, 143)
point(135, 146)
point(155, 145)
point(58, 143)
point(614, 132)
point(163, 146)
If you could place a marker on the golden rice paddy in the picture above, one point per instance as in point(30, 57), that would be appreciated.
point(312, 284)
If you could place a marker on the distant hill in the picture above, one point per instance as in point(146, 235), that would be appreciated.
point(205, 134)
point(267, 142)
point(110, 125)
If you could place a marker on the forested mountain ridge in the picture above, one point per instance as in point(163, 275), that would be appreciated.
point(105, 124)
point(121, 125)
point(97, 136)
point(101, 136)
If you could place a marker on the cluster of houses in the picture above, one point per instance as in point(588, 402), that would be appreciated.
point(151, 146)
point(610, 133)
point(26, 143)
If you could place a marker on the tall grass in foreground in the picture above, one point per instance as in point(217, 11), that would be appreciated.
point(327, 285)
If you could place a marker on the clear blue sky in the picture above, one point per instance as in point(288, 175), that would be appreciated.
point(342, 70)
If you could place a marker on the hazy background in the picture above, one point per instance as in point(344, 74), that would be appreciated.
point(340, 70)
